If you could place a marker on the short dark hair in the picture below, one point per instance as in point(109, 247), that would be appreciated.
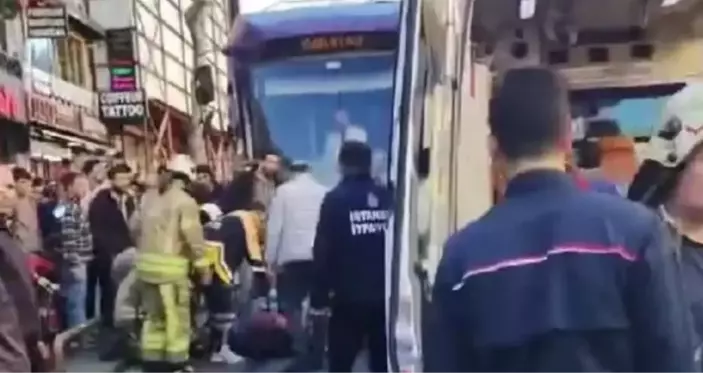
point(204, 169)
point(529, 114)
point(602, 127)
point(19, 173)
point(299, 167)
point(589, 154)
point(356, 155)
point(38, 181)
point(89, 166)
point(239, 194)
point(120, 168)
point(69, 178)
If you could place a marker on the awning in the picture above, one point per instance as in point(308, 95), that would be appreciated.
point(69, 141)
point(48, 150)
point(82, 23)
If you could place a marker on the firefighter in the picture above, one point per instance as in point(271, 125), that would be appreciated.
point(554, 277)
point(349, 263)
point(170, 244)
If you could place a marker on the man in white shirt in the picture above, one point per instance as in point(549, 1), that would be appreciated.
point(292, 221)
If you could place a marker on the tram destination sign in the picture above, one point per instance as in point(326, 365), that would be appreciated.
point(120, 108)
point(330, 43)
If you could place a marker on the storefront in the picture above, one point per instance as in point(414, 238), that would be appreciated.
point(14, 134)
point(62, 131)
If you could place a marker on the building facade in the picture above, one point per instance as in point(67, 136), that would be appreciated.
point(164, 60)
point(51, 44)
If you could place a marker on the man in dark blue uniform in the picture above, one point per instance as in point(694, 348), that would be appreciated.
point(555, 278)
point(349, 262)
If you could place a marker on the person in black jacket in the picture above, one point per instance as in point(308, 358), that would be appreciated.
point(20, 334)
point(349, 262)
point(109, 214)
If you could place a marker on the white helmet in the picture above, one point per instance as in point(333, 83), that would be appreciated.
point(212, 211)
point(670, 145)
point(681, 127)
point(182, 164)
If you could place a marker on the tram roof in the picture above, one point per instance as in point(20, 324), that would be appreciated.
point(372, 16)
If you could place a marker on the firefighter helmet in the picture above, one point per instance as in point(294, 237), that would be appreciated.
point(670, 145)
point(182, 164)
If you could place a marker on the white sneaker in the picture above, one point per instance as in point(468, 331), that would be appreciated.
point(225, 355)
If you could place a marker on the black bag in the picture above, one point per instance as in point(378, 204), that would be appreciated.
point(265, 335)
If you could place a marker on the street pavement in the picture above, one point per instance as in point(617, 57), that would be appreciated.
point(87, 361)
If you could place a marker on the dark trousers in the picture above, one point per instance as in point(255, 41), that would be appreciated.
point(294, 284)
point(353, 327)
point(100, 275)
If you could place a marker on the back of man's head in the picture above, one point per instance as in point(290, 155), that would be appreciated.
point(355, 157)
point(529, 115)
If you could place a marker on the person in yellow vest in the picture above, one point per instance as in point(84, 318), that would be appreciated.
point(234, 244)
point(170, 246)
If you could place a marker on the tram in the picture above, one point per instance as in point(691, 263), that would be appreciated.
point(308, 77)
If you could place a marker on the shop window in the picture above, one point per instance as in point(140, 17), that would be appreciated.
point(41, 54)
point(72, 54)
point(3, 35)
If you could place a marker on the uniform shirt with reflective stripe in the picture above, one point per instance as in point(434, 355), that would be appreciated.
point(558, 278)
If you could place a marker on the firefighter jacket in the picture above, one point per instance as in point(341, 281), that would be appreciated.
point(170, 243)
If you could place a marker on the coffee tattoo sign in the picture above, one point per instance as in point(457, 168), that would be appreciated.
point(119, 108)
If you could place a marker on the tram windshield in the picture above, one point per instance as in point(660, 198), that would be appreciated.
point(312, 104)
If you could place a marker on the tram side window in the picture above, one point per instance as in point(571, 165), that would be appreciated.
point(423, 131)
point(636, 111)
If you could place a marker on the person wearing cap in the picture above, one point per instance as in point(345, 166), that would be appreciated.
point(555, 278)
point(670, 180)
point(170, 244)
point(292, 221)
point(349, 262)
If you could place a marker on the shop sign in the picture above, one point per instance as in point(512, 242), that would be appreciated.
point(67, 117)
point(121, 60)
point(93, 127)
point(11, 90)
point(42, 110)
point(9, 104)
point(46, 19)
point(120, 108)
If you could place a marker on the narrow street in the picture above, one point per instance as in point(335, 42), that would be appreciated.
point(87, 361)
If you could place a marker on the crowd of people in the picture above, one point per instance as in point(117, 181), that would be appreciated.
point(568, 271)
point(146, 253)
